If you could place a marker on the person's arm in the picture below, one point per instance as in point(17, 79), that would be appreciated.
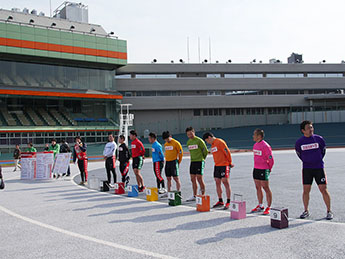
point(269, 157)
point(160, 152)
point(298, 150)
point(203, 148)
point(141, 148)
point(227, 153)
point(180, 152)
point(74, 155)
point(323, 147)
point(128, 154)
point(83, 147)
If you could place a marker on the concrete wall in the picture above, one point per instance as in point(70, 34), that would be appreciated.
point(176, 121)
point(317, 117)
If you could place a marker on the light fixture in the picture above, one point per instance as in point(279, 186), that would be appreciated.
point(181, 60)
point(229, 61)
point(31, 21)
point(154, 61)
point(53, 24)
point(10, 18)
point(92, 30)
point(72, 27)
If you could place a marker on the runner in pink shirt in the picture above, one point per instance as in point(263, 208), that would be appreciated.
point(263, 163)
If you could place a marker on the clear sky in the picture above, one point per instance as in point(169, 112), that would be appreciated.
point(240, 30)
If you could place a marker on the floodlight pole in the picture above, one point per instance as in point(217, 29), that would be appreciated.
point(126, 120)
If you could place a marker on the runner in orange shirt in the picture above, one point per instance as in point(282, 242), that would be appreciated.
point(222, 164)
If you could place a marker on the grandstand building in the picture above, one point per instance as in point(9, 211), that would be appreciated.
point(213, 96)
point(57, 77)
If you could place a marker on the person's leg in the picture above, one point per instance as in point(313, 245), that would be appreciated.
point(265, 185)
point(325, 195)
point(226, 183)
point(259, 193)
point(219, 187)
point(81, 169)
point(200, 179)
point(169, 178)
point(306, 192)
point(178, 183)
point(107, 168)
point(158, 171)
point(15, 164)
point(194, 184)
point(85, 169)
point(69, 170)
point(112, 168)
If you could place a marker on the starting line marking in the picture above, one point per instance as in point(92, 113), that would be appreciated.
point(87, 238)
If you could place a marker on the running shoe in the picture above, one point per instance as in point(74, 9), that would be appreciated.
point(257, 209)
point(329, 215)
point(142, 188)
point(218, 204)
point(81, 183)
point(162, 191)
point(267, 211)
point(227, 205)
point(305, 214)
point(58, 176)
point(192, 198)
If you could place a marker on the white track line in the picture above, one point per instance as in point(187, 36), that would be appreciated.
point(88, 238)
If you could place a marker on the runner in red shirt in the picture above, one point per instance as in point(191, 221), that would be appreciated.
point(138, 152)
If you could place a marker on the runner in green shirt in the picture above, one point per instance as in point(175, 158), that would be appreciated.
point(30, 148)
point(56, 150)
point(198, 153)
point(54, 147)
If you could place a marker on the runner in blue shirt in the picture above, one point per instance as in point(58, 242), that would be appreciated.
point(158, 162)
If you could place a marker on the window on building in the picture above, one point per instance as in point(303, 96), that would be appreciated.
point(196, 112)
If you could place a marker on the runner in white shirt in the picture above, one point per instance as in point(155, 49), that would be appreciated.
point(110, 158)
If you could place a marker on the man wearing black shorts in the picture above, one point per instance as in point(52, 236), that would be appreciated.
point(124, 156)
point(311, 149)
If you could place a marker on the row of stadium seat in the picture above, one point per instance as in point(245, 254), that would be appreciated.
point(29, 80)
point(37, 117)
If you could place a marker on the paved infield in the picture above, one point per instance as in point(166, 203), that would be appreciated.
point(58, 219)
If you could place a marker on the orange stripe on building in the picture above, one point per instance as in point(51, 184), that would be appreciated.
point(61, 48)
point(60, 94)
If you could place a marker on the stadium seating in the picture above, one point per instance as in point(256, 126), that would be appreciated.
point(23, 119)
point(47, 117)
point(9, 118)
point(59, 117)
point(34, 117)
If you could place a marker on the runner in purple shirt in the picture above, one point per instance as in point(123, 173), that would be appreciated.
point(311, 149)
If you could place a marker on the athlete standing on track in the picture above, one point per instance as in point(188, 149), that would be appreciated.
point(110, 158)
point(222, 164)
point(124, 156)
point(263, 163)
point(311, 149)
point(198, 153)
point(79, 152)
point(158, 162)
point(138, 152)
point(173, 158)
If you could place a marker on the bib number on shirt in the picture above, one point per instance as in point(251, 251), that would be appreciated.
point(310, 146)
point(192, 147)
point(153, 150)
point(257, 152)
point(133, 146)
point(169, 148)
point(214, 149)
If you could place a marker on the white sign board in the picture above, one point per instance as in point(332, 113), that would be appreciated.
point(276, 215)
point(62, 161)
point(148, 192)
point(28, 168)
point(44, 165)
point(198, 200)
point(171, 196)
point(234, 207)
